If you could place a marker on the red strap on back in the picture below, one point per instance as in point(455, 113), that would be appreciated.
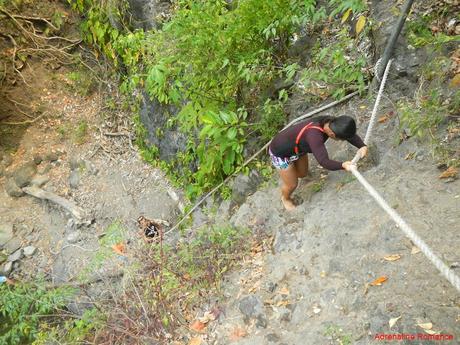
point(297, 140)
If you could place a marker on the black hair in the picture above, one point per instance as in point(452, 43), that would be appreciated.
point(322, 120)
point(344, 127)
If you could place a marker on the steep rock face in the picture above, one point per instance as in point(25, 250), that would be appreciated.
point(167, 139)
point(146, 13)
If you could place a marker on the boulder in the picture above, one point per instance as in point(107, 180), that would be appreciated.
point(29, 251)
point(244, 185)
point(12, 189)
point(24, 174)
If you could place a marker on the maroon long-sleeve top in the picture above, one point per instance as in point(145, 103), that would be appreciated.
point(312, 141)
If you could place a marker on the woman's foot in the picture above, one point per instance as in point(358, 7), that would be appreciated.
point(288, 204)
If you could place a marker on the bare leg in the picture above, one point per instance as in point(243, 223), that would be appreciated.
point(289, 184)
point(301, 166)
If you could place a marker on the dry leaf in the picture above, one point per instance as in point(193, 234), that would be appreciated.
point(379, 281)
point(211, 315)
point(284, 291)
point(451, 172)
point(383, 119)
point(455, 82)
point(425, 326)
point(238, 333)
point(195, 341)
point(431, 332)
point(360, 24)
point(119, 248)
point(283, 303)
point(415, 250)
point(392, 257)
point(393, 321)
point(198, 326)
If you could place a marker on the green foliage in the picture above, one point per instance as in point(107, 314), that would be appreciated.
point(336, 68)
point(337, 334)
point(170, 281)
point(341, 6)
point(25, 307)
point(272, 117)
point(421, 119)
point(114, 234)
point(81, 82)
point(420, 33)
point(81, 131)
point(72, 331)
point(213, 62)
point(318, 186)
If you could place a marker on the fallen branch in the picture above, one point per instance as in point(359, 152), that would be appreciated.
point(39, 193)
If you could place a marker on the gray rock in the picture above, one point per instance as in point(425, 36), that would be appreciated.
point(272, 338)
point(51, 157)
point(74, 179)
point(12, 189)
point(7, 160)
point(286, 241)
point(223, 212)
point(244, 185)
point(153, 115)
point(73, 237)
point(199, 218)
point(91, 168)
point(7, 268)
point(17, 255)
point(252, 308)
point(146, 13)
point(39, 181)
point(24, 174)
point(38, 159)
point(29, 251)
point(6, 233)
point(12, 245)
point(74, 163)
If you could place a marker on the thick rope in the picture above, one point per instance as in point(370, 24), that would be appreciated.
point(309, 114)
point(374, 111)
point(435, 260)
point(438, 263)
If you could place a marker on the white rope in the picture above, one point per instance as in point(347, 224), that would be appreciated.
point(374, 111)
point(435, 260)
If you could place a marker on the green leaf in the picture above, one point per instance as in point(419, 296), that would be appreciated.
point(232, 132)
point(346, 15)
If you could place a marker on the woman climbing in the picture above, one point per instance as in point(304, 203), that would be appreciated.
point(288, 149)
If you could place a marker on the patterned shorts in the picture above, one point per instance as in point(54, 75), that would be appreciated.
point(282, 163)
